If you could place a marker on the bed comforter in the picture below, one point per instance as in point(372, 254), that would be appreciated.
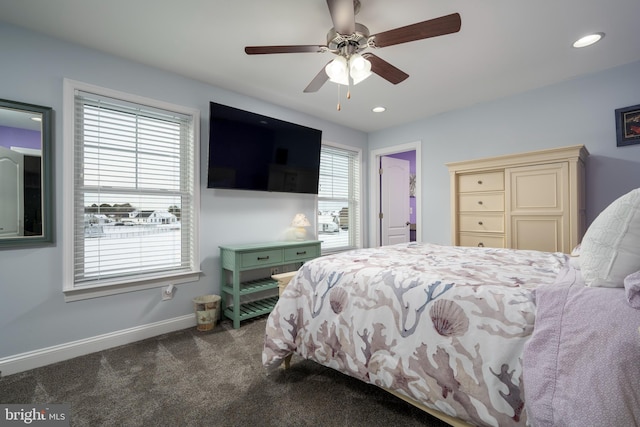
point(443, 325)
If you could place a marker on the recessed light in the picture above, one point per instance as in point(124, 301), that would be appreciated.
point(378, 109)
point(36, 119)
point(588, 40)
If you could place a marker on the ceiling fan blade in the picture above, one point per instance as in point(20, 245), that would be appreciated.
point(317, 82)
point(262, 50)
point(343, 16)
point(422, 30)
point(385, 70)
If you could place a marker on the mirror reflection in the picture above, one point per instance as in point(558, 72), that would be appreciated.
point(24, 139)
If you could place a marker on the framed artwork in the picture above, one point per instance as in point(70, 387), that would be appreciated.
point(628, 125)
point(412, 185)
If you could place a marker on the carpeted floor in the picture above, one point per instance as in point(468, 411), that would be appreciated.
point(216, 378)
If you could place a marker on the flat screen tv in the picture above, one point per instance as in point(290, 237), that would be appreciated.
point(248, 151)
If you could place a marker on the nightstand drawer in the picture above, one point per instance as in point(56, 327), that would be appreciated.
point(301, 253)
point(481, 202)
point(253, 259)
point(488, 181)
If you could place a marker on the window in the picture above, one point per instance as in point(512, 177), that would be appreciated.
point(131, 215)
point(339, 198)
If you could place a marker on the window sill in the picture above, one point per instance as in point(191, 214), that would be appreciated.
point(114, 288)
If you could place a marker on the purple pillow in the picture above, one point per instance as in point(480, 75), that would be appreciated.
point(632, 289)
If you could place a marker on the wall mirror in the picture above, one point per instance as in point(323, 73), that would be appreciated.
point(26, 208)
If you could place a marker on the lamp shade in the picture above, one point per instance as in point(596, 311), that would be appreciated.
point(300, 220)
point(337, 71)
point(359, 68)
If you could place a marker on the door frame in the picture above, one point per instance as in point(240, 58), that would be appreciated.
point(375, 239)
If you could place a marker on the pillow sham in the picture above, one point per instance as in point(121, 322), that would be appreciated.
point(632, 289)
point(610, 249)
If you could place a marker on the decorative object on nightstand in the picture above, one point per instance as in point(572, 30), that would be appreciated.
point(299, 222)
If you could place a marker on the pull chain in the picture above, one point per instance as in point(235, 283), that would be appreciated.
point(339, 107)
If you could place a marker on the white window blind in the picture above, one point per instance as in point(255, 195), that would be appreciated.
point(134, 204)
point(339, 199)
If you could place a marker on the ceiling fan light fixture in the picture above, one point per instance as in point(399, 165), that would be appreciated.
point(588, 40)
point(359, 68)
point(347, 37)
point(337, 71)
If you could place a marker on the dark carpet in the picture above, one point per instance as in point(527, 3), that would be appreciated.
point(215, 378)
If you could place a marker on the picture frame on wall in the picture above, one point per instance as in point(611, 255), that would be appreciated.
point(628, 125)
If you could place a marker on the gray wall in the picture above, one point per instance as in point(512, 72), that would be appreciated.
point(579, 111)
point(33, 314)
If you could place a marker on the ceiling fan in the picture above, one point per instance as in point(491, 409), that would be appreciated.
point(348, 38)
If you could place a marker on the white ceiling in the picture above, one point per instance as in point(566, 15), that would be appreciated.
point(504, 47)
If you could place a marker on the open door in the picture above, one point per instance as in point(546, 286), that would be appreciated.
point(394, 200)
point(411, 152)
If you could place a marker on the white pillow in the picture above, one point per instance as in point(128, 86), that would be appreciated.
point(610, 249)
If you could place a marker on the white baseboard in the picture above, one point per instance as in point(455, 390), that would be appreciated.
point(46, 356)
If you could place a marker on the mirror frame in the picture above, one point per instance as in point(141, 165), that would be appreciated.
point(47, 175)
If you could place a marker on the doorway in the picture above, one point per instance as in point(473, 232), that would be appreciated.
point(377, 193)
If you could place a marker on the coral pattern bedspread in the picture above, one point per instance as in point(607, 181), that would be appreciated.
point(443, 325)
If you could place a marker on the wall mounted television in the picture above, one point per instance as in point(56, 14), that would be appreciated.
point(249, 151)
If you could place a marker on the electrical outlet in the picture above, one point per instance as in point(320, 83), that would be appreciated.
point(275, 270)
point(167, 293)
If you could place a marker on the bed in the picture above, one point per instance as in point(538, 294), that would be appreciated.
point(480, 336)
